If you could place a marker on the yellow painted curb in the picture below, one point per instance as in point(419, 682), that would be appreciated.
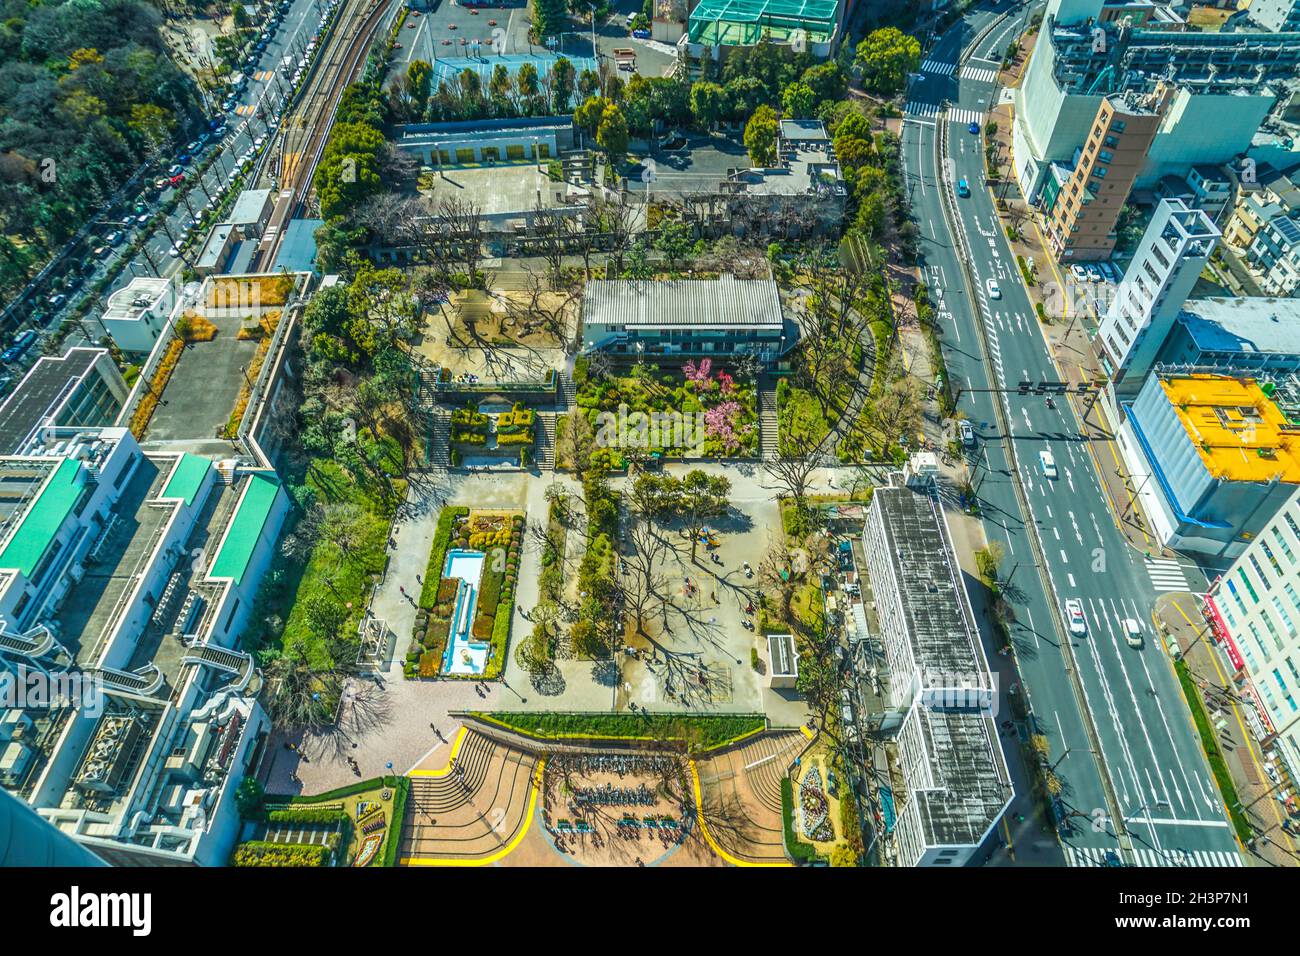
point(455, 749)
point(505, 850)
point(704, 828)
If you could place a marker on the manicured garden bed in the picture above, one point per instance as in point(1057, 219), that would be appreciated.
point(729, 407)
point(500, 538)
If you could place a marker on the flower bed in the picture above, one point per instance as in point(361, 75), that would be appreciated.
point(257, 853)
point(729, 409)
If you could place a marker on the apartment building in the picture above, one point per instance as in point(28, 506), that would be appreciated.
point(1083, 220)
point(1212, 458)
point(1274, 255)
point(1275, 15)
point(1246, 336)
point(1174, 249)
point(1273, 192)
point(956, 785)
point(1224, 87)
point(133, 574)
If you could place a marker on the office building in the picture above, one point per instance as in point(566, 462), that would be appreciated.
point(1253, 610)
point(135, 574)
point(1257, 337)
point(80, 387)
point(1212, 458)
point(956, 785)
point(1174, 249)
point(1084, 217)
point(721, 318)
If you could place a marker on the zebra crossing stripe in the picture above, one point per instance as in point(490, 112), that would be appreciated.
point(979, 75)
point(942, 69)
point(965, 117)
point(1166, 574)
point(921, 109)
point(1093, 856)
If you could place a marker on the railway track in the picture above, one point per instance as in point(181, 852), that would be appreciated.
point(307, 130)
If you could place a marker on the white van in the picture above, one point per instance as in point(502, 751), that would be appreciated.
point(1132, 632)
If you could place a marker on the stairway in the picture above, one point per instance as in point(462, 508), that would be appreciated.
point(226, 471)
point(768, 441)
point(568, 392)
point(437, 452)
point(545, 448)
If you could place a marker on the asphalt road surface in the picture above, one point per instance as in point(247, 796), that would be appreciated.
point(1149, 750)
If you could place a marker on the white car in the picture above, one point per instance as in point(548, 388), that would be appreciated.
point(174, 252)
point(1074, 618)
point(1132, 632)
point(967, 433)
point(1079, 272)
point(1047, 463)
point(995, 291)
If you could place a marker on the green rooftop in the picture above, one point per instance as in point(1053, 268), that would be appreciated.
point(187, 478)
point(44, 518)
point(246, 527)
point(746, 22)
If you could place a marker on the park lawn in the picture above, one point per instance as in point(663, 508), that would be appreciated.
point(799, 418)
point(329, 573)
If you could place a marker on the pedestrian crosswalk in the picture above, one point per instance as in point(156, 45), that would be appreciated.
point(1166, 574)
point(978, 74)
point(934, 111)
point(938, 67)
point(1091, 856)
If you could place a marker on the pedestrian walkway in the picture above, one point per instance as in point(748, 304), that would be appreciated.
point(915, 110)
point(1094, 856)
point(1166, 575)
point(978, 75)
point(965, 117)
point(938, 68)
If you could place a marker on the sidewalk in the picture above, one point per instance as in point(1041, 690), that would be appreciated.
point(1178, 616)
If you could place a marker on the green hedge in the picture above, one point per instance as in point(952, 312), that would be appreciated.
point(438, 554)
point(305, 815)
point(351, 790)
point(259, 853)
point(711, 730)
point(1210, 744)
point(393, 838)
point(798, 851)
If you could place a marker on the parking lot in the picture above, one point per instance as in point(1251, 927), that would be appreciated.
point(698, 166)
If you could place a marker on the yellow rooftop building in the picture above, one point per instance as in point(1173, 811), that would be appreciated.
point(1239, 431)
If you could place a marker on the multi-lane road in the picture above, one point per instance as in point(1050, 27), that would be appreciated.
point(247, 128)
point(1120, 734)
